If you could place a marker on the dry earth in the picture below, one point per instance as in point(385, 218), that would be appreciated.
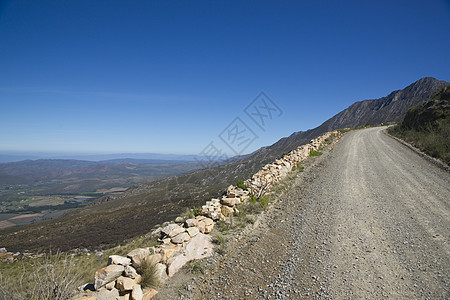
point(368, 220)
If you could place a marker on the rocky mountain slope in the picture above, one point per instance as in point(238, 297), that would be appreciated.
point(427, 126)
point(153, 203)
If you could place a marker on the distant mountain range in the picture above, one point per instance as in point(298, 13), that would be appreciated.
point(31, 171)
point(6, 157)
point(152, 203)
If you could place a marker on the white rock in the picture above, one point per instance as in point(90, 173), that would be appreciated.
point(138, 256)
point(106, 275)
point(191, 222)
point(154, 259)
point(118, 260)
point(176, 231)
point(200, 246)
point(230, 201)
point(166, 230)
point(181, 238)
point(193, 231)
point(161, 273)
point(136, 293)
point(227, 211)
point(130, 272)
point(125, 283)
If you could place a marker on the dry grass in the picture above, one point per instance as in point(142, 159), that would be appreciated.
point(149, 276)
point(52, 277)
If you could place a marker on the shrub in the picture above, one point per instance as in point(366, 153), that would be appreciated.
point(188, 214)
point(222, 226)
point(195, 267)
point(218, 238)
point(298, 167)
point(315, 153)
point(264, 201)
point(197, 210)
point(148, 273)
point(241, 184)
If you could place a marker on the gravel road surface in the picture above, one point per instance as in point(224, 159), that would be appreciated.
point(368, 220)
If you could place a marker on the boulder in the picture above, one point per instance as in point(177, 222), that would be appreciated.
point(215, 215)
point(230, 201)
point(166, 230)
point(169, 251)
point(110, 286)
point(212, 209)
point(149, 294)
point(181, 238)
point(137, 256)
point(6, 255)
point(193, 231)
point(191, 223)
point(201, 227)
point(3, 250)
point(118, 260)
point(107, 274)
point(206, 225)
point(179, 220)
point(154, 259)
point(176, 231)
point(124, 284)
point(165, 241)
point(156, 232)
point(161, 273)
point(130, 272)
point(200, 246)
point(105, 294)
point(136, 293)
point(227, 211)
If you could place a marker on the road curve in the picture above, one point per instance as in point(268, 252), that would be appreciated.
point(368, 220)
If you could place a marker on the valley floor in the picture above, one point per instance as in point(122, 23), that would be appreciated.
point(368, 220)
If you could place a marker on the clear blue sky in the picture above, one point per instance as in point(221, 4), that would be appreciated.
point(169, 76)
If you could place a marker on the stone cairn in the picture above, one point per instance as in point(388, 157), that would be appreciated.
point(186, 240)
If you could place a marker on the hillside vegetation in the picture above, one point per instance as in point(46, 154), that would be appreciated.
point(427, 126)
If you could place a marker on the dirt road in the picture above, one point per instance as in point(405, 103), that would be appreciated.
point(368, 220)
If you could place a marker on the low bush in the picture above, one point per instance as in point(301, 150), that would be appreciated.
point(197, 210)
point(298, 167)
point(241, 184)
point(264, 201)
point(148, 273)
point(218, 238)
point(195, 267)
point(314, 153)
point(222, 226)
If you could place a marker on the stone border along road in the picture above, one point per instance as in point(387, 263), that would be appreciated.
point(369, 220)
point(187, 239)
